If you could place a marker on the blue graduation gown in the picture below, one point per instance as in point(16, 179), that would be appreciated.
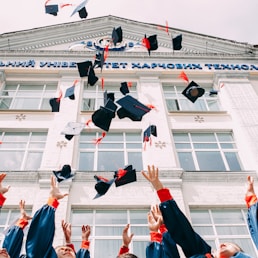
point(252, 221)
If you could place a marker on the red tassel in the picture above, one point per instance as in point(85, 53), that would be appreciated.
point(98, 140)
point(89, 121)
point(47, 2)
point(146, 43)
point(60, 96)
point(120, 173)
point(151, 106)
point(64, 5)
point(129, 84)
point(102, 83)
point(106, 53)
point(103, 178)
point(142, 108)
point(75, 82)
point(183, 76)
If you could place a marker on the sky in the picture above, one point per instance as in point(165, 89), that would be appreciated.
point(235, 20)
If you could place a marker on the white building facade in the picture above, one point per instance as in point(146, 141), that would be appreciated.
point(204, 150)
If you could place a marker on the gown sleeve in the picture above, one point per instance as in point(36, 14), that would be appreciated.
point(252, 222)
point(41, 232)
point(84, 250)
point(180, 228)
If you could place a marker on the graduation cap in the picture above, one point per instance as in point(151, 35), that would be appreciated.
point(81, 10)
point(55, 104)
point(177, 42)
point(213, 92)
point(63, 174)
point(70, 92)
point(151, 130)
point(99, 60)
point(151, 43)
point(108, 95)
point(51, 9)
point(102, 185)
point(103, 116)
point(117, 35)
point(193, 91)
point(125, 176)
point(131, 108)
point(83, 68)
point(92, 78)
point(71, 129)
point(124, 88)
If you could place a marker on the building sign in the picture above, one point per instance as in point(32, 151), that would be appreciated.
point(133, 65)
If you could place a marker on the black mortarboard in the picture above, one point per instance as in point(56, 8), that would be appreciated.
point(102, 185)
point(151, 42)
point(117, 35)
point(213, 92)
point(63, 174)
point(124, 88)
point(107, 96)
point(99, 60)
point(103, 116)
point(151, 130)
point(177, 42)
point(72, 128)
point(131, 108)
point(83, 68)
point(55, 104)
point(92, 78)
point(70, 92)
point(81, 10)
point(125, 176)
point(51, 9)
point(193, 91)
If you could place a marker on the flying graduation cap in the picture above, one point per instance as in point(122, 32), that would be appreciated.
point(193, 91)
point(125, 176)
point(51, 8)
point(177, 42)
point(151, 130)
point(102, 185)
point(55, 104)
point(70, 91)
point(108, 95)
point(103, 116)
point(117, 35)
point(151, 43)
point(63, 174)
point(124, 89)
point(72, 129)
point(81, 9)
point(131, 108)
point(83, 68)
point(92, 78)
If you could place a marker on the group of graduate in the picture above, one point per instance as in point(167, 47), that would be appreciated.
point(168, 227)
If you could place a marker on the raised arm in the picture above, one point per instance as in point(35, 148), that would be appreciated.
point(3, 190)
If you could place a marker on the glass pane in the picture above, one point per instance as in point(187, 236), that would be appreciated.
point(45, 104)
point(11, 160)
point(183, 145)
point(233, 161)
point(133, 137)
point(5, 103)
point(227, 146)
point(140, 231)
point(203, 137)
point(210, 161)
point(33, 160)
point(3, 217)
point(87, 137)
point(28, 88)
point(114, 137)
point(88, 104)
point(186, 161)
point(205, 145)
point(213, 105)
point(86, 161)
point(36, 145)
point(26, 103)
point(200, 217)
point(134, 145)
point(172, 104)
point(16, 137)
point(110, 145)
point(138, 217)
point(107, 248)
point(204, 230)
point(181, 137)
point(108, 231)
point(15, 214)
point(200, 105)
point(186, 105)
point(232, 230)
point(111, 217)
point(13, 145)
point(110, 160)
point(228, 217)
point(225, 137)
point(81, 217)
point(37, 136)
point(135, 158)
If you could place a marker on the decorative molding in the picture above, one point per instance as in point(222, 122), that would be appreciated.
point(160, 144)
point(61, 144)
point(199, 119)
point(20, 117)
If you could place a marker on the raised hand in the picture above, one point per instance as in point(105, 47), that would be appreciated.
point(126, 237)
point(23, 212)
point(157, 213)
point(3, 190)
point(250, 186)
point(153, 177)
point(67, 229)
point(54, 191)
point(85, 232)
point(153, 224)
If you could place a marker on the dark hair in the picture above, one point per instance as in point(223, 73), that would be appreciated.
point(127, 255)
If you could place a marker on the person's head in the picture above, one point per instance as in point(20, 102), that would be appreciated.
point(4, 253)
point(227, 250)
point(64, 251)
point(127, 255)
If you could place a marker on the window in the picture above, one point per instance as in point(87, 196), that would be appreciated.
point(27, 95)
point(115, 151)
point(93, 97)
point(176, 101)
point(8, 218)
point(106, 230)
point(223, 225)
point(21, 150)
point(207, 151)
